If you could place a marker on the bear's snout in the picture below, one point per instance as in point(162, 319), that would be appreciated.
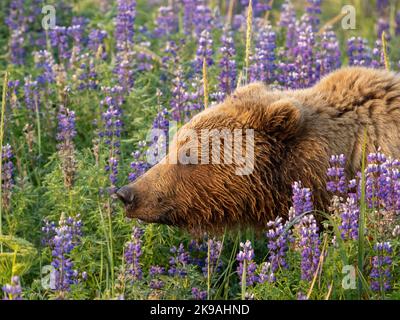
point(126, 195)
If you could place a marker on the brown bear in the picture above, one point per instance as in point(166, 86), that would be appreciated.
point(295, 133)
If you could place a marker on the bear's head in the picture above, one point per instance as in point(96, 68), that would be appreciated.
point(225, 168)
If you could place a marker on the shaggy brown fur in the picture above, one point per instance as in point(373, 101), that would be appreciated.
point(295, 134)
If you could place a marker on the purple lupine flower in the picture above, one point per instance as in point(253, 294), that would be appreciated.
point(309, 244)
point(179, 261)
point(197, 251)
point(349, 214)
point(304, 54)
point(13, 291)
point(288, 76)
point(189, 7)
point(170, 56)
point(288, 21)
point(336, 175)
point(204, 51)
point(382, 185)
point(139, 166)
point(376, 180)
point(202, 20)
point(330, 55)
point(381, 6)
point(179, 96)
point(44, 61)
point(227, 64)
point(239, 22)
point(212, 260)
point(302, 199)
point(76, 33)
point(383, 26)
point(17, 46)
point(62, 239)
point(143, 60)
point(197, 294)
point(398, 23)
point(378, 59)
point(259, 6)
point(166, 21)
point(133, 251)
point(194, 98)
point(266, 273)
point(65, 135)
point(245, 257)
point(112, 169)
point(124, 24)
point(86, 73)
point(66, 127)
point(154, 272)
point(12, 93)
point(358, 52)
point(7, 180)
point(31, 92)
point(17, 23)
point(16, 14)
point(112, 125)
point(159, 138)
point(380, 276)
point(263, 62)
point(278, 241)
point(59, 40)
point(287, 14)
point(314, 10)
point(124, 31)
point(96, 43)
point(124, 69)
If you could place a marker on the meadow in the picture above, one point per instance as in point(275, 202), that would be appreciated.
point(82, 84)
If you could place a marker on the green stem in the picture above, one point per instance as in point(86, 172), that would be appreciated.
point(38, 127)
point(361, 222)
point(111, 250)
point(244, 280)
point(3, 109)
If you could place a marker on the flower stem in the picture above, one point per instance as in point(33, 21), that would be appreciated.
point(361, 223)
point(244, 280)
point(3, 109)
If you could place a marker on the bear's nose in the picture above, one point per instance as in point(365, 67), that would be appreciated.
point(126, 195)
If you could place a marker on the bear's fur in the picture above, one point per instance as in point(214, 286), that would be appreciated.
point(296, 132)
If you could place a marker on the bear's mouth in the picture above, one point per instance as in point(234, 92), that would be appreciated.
point(145, 218)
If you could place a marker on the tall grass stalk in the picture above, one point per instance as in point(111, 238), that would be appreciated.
point(3, 111)
point(230, 12)
point(107, 230)
point(248, 35)
point(361, 220)
point(39, 131)
point(385, 53)
point(244, 280)
point(205, 83)
point(111, 249)
point(319, 266)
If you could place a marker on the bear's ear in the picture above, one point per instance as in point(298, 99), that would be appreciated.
point(282, 119)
